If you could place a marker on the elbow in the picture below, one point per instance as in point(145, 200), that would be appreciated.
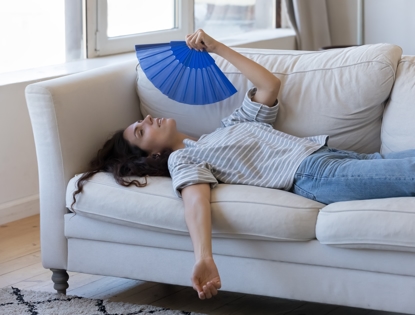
point(276, 84)
point(274, 88)
point(268, 94)
point(273, 85)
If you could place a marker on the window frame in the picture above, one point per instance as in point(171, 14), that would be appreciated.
point(75, 41)
point(98, 44)
point(272, 15)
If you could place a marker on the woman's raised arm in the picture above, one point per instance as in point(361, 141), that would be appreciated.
point(267, 84)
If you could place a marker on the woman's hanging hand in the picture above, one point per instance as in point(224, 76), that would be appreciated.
point(205, 278)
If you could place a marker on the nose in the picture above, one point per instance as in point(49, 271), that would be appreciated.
point(148, 119)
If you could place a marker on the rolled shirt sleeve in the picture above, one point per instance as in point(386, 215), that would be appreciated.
point(185, 172)
point(251, 111)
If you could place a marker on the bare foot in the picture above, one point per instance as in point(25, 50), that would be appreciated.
point(205, 278)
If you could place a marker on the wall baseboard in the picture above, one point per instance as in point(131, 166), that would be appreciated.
point(19, 209)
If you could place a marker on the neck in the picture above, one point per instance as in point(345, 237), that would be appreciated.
point(178, 143)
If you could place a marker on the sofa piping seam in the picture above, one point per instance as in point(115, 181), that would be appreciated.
point(212, 202)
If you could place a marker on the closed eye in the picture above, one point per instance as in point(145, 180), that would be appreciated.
point(140, 133)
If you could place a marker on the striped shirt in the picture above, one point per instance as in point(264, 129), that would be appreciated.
point(246, 150)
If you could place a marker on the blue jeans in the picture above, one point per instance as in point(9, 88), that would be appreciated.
point(330, 175)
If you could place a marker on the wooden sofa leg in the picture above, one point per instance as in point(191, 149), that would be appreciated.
point(60, 279)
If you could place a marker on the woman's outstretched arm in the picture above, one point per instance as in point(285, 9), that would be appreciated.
point(267, 84)
point(205, 277)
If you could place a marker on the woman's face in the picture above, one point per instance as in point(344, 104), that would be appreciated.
point(153, 135)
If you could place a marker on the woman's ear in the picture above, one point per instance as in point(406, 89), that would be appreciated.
point(156, 156)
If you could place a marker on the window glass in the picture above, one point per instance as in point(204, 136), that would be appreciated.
point(227, 18)
point(127, 17)
point(32, 34)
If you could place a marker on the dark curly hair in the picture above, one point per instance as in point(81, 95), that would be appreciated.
point(122, 159)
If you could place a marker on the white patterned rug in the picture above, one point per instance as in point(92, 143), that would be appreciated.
point(14, 301)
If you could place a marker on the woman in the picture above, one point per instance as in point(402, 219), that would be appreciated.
point(247, 150)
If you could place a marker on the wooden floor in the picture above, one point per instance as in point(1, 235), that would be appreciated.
point(20, 266)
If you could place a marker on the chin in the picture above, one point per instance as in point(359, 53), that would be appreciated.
point(171, 121)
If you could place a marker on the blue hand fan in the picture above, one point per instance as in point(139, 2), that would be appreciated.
point(183, 74)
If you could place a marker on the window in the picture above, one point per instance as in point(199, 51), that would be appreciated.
point(129, 17)
point(40, 33)
point(226, 18)
point(27, 38)
point(115, 26)
point(47, 32)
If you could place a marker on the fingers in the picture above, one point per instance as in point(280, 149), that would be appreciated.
point(200, 292)
point(196, 40)
point(217, 284)
point(198, 289)
point(210, 290)
point(202, 295)
point(199, 40)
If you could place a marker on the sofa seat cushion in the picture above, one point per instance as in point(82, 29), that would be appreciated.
point(385, 224)
point(336, 92)
point(398, 128)
point(238, 211)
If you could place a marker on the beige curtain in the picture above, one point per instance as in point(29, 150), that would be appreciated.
point(310, 21)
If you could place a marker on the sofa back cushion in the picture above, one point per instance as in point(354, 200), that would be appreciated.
point(339, 92)
point(398, 128)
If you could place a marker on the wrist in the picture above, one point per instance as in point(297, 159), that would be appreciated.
point(219, 48)
point(203, 254)
point(204, 258)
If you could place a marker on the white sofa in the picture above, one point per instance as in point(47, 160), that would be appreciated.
point(358, 253)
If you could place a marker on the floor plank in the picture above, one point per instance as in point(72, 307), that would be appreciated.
point(118, 290)
point(382, 313)
point(147, 295)
point(96, 287)
point(185, 299)
point(251, 304)
point(19, 238)
point(41, 282)
point(313, 309)
point(19, 227)
point(14, 277)
point(342, 310)
point(15, 249)
point(20, 262)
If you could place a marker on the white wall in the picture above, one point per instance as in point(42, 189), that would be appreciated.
point(385, 21)
point(391, 21)
point(18, 170)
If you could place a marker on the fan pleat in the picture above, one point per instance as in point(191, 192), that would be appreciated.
point(210, 91)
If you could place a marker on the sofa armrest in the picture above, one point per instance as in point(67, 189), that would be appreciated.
point(71, 118)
